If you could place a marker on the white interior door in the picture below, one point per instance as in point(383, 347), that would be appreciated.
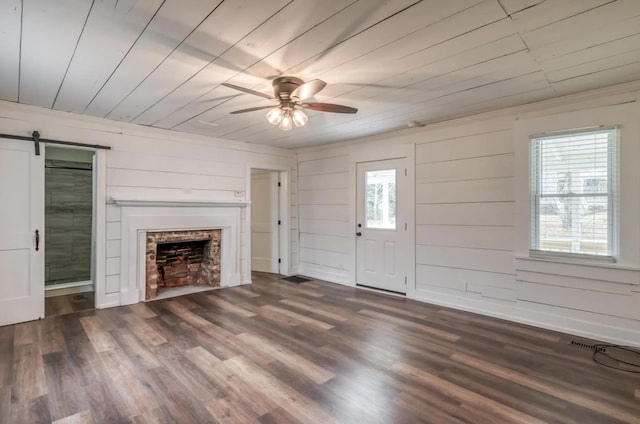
point(21, 215)
point(381, 225)
point(264, 221)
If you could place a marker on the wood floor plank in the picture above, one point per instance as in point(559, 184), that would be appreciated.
point(197, 383)
point(26, 333)
point(77, 344)
point(229, 307)
point(34, 411)
point(144, 332)
point(595, 405)
point(65, 390)
point(175, 398)
point(100, 338)
point(157, 416)
point(6, 354)
point(315, 308)
point(51, 338)
point(83, 417)
point(296, 404)
point(278, 416)
point(232, 385)
point(228, 411)
point(5, 404)
point(299, 363)
point(466, 396)
point(28, 381)
point(141, 310)
point(106, 405)
point(316, 352)
point(390, 308)
point(297, 318)
point(424, 409)
point(58, 305)
point(412, 325)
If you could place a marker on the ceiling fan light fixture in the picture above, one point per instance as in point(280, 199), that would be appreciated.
point(299, 117)
point(286, 124)
point(291, 92)
point(275, 115)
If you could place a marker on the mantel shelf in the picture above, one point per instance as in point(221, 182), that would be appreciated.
point(179, 202)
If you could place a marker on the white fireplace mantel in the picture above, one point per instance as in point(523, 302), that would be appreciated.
point(123, 201)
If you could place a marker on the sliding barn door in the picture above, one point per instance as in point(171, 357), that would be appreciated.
point(21, 215)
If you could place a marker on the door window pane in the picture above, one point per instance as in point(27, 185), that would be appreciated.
point(381, 199)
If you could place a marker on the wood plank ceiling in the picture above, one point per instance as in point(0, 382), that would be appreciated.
point(162, 62)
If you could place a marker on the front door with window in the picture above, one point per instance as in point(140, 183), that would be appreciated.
point(381, 225)
point(21, 233)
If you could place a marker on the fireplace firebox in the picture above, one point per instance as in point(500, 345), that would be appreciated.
point(179, 258)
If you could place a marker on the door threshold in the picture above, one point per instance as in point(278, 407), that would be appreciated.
point(63, 289)
point(381, 291)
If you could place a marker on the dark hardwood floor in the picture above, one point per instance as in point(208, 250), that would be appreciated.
point(277, 352)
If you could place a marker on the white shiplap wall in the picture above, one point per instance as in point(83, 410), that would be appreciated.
point(155, 164)
point(323, 199)
point(464, 214)
point(471, 217)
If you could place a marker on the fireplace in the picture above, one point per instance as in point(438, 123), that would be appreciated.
point(180, 258)
point(139, 217)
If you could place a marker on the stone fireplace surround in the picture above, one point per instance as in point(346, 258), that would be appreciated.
point(137, 217)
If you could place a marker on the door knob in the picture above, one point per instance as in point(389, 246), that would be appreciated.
point(358, 233)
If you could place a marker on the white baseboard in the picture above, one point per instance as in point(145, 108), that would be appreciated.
point(109, 300)
point(231, 280)
point(519, 313)
point(320, 273)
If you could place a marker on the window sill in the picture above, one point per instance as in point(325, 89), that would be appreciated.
point(571, 257)
point(566, 260)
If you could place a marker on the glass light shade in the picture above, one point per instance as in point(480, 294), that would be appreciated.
point(287, 123)
point(274, 116)
point(299, 118)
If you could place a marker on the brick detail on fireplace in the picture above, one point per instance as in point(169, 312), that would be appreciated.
point(178, 258)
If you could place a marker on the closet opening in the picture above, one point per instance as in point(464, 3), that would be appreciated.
point(69, 230)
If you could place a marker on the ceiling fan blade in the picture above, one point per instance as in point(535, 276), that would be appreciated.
point(251, 109)
point(329, 107)
point(308, 89)
point(248, 91)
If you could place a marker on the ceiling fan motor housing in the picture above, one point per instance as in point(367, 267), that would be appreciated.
point(284, 86)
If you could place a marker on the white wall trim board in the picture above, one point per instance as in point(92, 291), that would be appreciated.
point(178, 203)
point(100, 248)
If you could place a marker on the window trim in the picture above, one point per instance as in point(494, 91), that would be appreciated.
point(612, 195)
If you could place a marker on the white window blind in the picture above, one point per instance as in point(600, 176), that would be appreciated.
point(573, 192)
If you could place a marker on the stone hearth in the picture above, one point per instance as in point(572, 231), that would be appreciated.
point(179, 258)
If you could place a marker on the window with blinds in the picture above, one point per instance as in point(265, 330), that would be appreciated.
point(573, 193)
